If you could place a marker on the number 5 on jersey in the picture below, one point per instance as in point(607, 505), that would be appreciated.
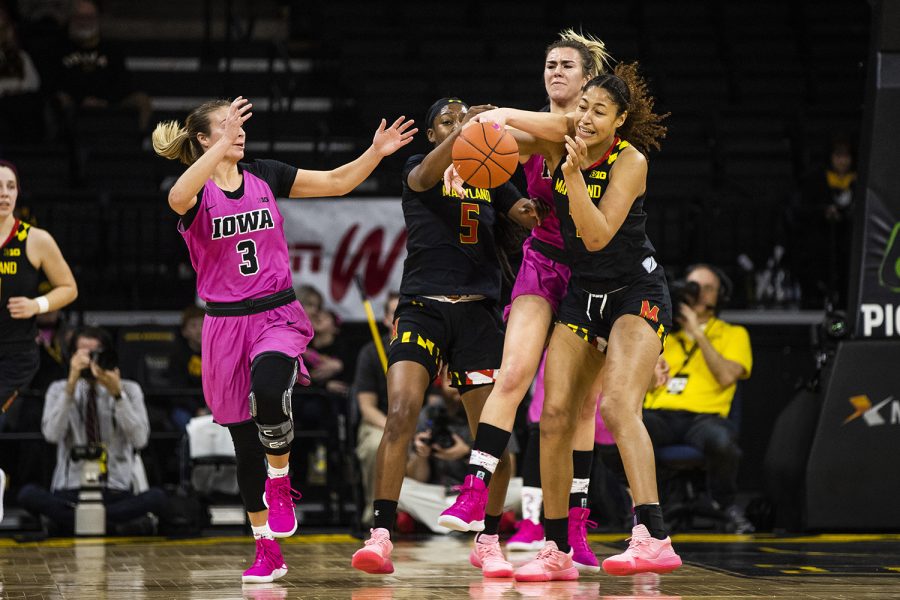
point(468, 222)
point(247, 249)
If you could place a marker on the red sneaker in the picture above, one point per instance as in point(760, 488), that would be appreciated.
point(645, 554)
point(375, 556)
point(405, 523)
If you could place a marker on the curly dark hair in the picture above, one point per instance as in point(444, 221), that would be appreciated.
point(643, 128)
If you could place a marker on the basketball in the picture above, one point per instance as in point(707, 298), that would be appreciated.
point(485, 155)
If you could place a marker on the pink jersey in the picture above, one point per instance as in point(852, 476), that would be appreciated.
point(540, 186)
point(237, 246)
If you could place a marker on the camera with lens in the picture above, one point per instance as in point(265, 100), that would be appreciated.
point(439, 423)
point(105, 359)
point(682, 292)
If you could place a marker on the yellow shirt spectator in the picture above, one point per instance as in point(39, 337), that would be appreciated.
point(692, 386)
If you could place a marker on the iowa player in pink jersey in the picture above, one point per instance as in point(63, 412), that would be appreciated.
point(540, 286)
point(255, 330)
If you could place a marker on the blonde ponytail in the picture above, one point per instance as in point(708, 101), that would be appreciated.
point(601, 60)
point(172, 141)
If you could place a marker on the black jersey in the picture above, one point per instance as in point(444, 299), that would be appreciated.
point(628, 254)
point(18, 277)
point(450, 244)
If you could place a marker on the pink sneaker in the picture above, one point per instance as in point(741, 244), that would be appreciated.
point(645, 554)
point(528, 536)
point(269, 564)
point(487, 556)
point(467, 513)
point(549, 565)
point(582, 555)
point(279, 498)
point(375, 556)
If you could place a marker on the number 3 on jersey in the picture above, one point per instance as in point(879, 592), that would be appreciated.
point(247, 249)
point(468, 222)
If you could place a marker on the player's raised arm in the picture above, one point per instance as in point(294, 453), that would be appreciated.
point(447, 117)
point(345, 178)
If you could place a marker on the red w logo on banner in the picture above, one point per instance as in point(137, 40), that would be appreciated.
point(649, 313)
point(376, 273)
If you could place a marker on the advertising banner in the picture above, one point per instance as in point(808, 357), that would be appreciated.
point(333, 240)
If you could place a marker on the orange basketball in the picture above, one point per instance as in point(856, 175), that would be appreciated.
point(485, 155)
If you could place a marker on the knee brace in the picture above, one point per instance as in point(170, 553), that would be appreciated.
point(272, 382)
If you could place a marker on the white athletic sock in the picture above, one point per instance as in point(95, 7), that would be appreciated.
point(262, 531)
point(275, 472)
point(485, 460)
point(580, 486)
point(532, 499)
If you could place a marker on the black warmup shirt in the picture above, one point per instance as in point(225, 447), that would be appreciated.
point(620, 262)
point(450, 244)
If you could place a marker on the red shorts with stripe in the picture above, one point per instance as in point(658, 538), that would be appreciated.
point(467, 336)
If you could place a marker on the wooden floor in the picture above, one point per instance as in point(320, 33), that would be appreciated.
point(821, 567)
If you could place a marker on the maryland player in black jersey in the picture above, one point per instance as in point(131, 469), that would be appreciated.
point(447, 315)
point(24, 251)
point(617, 310)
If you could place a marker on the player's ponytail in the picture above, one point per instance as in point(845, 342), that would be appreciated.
point(174, 142)
point(595, 59)
point(642, 128)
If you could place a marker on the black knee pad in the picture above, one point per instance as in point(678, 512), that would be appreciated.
point(272, 378)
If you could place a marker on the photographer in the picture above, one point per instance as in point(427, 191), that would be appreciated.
point(94, 413)
point(438, 459)
point(695, 380)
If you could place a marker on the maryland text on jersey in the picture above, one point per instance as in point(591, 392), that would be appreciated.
point(473, 193)
point(252, 220)
point(595, 190)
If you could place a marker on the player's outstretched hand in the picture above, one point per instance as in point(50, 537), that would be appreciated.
point(453, 181)
point(388, 140)
point(494, 115)
point(473, 115)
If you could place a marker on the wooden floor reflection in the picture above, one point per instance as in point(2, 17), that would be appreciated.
point(437, 568)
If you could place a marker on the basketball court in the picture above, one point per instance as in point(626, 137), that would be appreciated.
point(716, 566)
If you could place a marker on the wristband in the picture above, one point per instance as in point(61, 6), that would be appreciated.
point(43, 304)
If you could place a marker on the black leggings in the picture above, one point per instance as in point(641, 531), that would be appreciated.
point(250, 456)
point(272, 375)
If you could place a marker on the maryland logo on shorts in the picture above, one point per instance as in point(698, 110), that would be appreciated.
point(651, 314)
